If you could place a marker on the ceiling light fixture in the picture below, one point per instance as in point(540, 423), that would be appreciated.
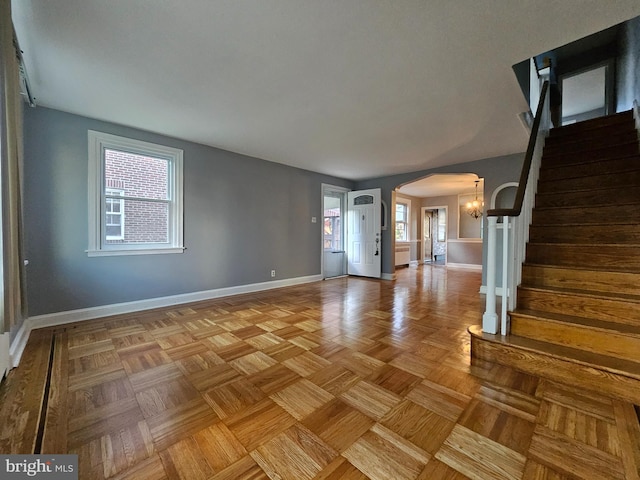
point(475, 208)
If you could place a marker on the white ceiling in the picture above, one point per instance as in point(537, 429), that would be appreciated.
point(442, 185)
point(352, 88)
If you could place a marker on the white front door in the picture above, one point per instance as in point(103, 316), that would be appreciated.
point(364, 248)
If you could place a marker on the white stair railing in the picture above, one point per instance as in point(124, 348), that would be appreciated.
point(514, 226)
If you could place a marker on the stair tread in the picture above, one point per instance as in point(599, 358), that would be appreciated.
point(592, 124)
point(627, 297)
point(626, 134)
point(603, 325)
point(600, 245)
point(617, 221)
point(595, 189)
point(604, 148)
point(603, 174)
point(581, 268)
point(591, 267)
point(590, 225)
point(611, 364)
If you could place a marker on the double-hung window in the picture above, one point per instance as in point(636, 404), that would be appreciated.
point(135, 197)
point(402, 222)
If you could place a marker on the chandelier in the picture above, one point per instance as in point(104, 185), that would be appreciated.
point(475, 208)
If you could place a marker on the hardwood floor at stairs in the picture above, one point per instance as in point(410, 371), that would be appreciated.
point(344, 379)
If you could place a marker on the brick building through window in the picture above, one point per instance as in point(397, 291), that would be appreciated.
point(144, 180)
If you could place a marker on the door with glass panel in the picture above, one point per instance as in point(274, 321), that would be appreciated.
point(333, 250)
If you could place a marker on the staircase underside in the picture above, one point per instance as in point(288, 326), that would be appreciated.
point(577, 318)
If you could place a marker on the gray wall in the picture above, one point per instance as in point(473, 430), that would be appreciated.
point(628, 65)
point(495, 171)
point(469, 253)
point(242, 217)
point(451, 202)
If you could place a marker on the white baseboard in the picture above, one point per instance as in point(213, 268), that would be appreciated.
point(71, 316)
point(414, 263)
point(19, 342)
point(5, 356)
point(388, 276)
point(466, 266)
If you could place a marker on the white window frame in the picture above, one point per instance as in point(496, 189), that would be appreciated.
point(98, 143)
point(407, 203)
point(113, 194)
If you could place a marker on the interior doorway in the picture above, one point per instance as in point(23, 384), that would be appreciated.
point(427, 235)
point(434, 235)
point(587, 93)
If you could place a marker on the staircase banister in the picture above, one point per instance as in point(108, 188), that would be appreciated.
point(526, 166)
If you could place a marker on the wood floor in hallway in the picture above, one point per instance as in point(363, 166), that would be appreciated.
point(349, 378)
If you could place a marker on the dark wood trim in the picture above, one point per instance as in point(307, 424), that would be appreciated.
point(526, 166)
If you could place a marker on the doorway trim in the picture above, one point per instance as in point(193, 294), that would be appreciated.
point(423, 210)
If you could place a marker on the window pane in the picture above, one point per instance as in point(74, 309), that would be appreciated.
point(401, 231)
point(113, 231)
point(145, 222)
point(401, 212)
point(136, 175)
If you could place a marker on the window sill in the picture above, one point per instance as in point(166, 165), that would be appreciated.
point(141, 251)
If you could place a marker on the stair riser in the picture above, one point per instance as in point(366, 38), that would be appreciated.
point(600, 154)
point(559, 146)
point(609, 257)
point(605, 309)
point(610, 196)
point(578, 279)
point(614, 180)
point(594, 340)
point(617, 165)
point(580, 234)
point(625, 214)
point(555, 369)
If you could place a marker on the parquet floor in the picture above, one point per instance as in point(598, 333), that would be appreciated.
point(344, 379)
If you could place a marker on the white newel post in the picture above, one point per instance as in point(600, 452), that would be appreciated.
point(505, 275)
point(490, 318)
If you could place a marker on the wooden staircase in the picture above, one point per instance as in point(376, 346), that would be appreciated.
point(577, 319)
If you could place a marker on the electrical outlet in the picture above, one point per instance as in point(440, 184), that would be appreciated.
point(273, 273)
